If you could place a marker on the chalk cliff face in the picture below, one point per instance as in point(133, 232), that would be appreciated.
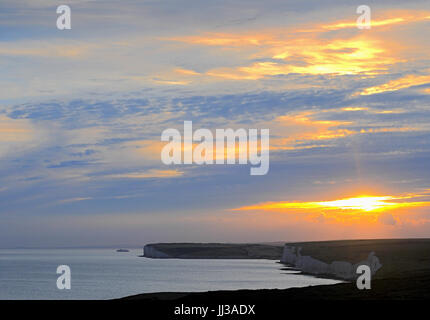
point(150, 252)
point(340, 269)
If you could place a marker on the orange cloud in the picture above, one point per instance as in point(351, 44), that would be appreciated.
point(228, 39)
point(374, 23)
point(152, 173)
point(301, 126)
point(186, 72)
point(355, 109)
point(298, 51)
point(152, 149)
point(296, 131)
point(146, 148)
point(15, 130)
point(48, 50)
point(171, 82)
point(308, 51)
point(391, 18)
point(316, 56)
point(291, 131)
point(398, 84)
point(18, 135)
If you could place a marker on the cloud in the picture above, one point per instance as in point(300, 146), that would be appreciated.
point(148, 174)
point(171, 82)
point(15, 130)
point(75, 200)
point(303, 130)
point(18, 135)
point(313, 56)
point(61, 49)
point(311, 51)
point(398, 84)
point(387, 219)
point(393, 17)
point(301, 127)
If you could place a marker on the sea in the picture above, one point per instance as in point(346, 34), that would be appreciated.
point(31, 274)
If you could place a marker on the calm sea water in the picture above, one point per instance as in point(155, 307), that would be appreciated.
point(107, 274)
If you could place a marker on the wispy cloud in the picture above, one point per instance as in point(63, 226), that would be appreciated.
point(398, 84)
point(75, 200)
point(152, 173)
point(392, 18)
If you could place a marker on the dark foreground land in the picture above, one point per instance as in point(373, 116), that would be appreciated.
point(405, 274)
point(412, 288)
point(400, 296)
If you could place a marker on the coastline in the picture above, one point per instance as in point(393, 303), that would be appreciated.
point(405, 273)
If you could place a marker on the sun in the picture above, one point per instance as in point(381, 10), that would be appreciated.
point(364, 203)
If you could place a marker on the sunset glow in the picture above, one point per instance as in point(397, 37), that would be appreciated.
point(359, 203)
point(364, 203)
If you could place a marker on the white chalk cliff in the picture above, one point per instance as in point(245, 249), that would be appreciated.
point(339, 269)
point(150, 252)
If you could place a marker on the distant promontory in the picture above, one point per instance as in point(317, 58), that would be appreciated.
point(213, 251)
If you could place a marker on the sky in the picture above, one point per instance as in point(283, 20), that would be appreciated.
point(82, 112)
